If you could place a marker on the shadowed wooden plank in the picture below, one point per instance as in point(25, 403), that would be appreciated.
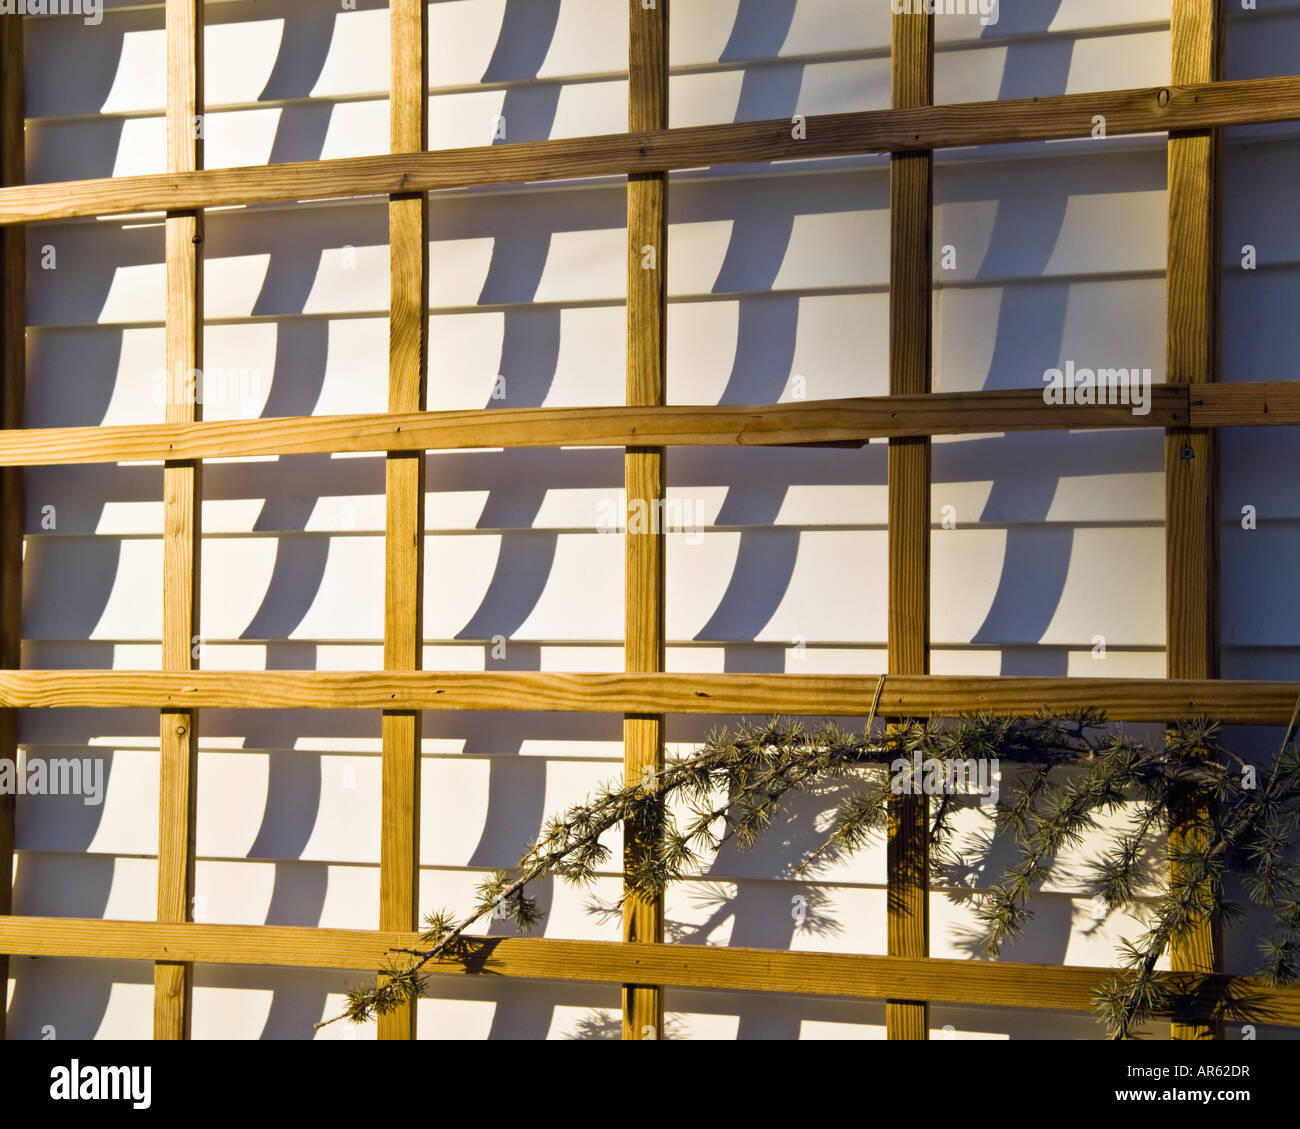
point(1144, 110)
point(857, 419)
point(911, 177)
point(1191, 456)
point(1258, 404)
point(181, 493)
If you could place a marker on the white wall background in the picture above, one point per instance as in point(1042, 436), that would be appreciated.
point(778, 279)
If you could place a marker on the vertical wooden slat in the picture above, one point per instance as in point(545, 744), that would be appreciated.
point(408, 239)
point(182, 486)
point(13, 362)
point(647, 289)
point(910, 319)
point(1191, 456)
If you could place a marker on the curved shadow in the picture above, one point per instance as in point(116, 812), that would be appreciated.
point(293, 796)
point(1025, 233)
point(1036, 558)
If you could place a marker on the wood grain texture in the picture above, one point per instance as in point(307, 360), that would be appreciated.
point(13, 381)
point(1198, 29)
point(811, 422)
point(408, 312)
point(1256, 404)
point(182, 487)
point(911, 189)
point(1144, 110)
point(837, 975)
point(1123, 699)
point(644, 473)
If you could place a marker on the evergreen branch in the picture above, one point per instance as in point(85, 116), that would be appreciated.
point(736, 784)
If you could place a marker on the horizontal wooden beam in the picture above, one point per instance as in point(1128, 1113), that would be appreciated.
point(1145, 110)
point(850, 421)
point(1123, 699)
point(840, 975)
point(812, 422)
point(1262, 404)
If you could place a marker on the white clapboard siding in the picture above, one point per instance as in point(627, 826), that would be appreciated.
point(1260, 611)
point(1043, 544)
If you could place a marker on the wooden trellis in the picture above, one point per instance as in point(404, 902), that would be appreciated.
point(1190, 407)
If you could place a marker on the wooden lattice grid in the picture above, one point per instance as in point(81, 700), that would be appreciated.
point(1190, 408)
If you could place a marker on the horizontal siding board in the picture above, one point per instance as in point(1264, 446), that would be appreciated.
point(484, 491)
point(536, 585)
